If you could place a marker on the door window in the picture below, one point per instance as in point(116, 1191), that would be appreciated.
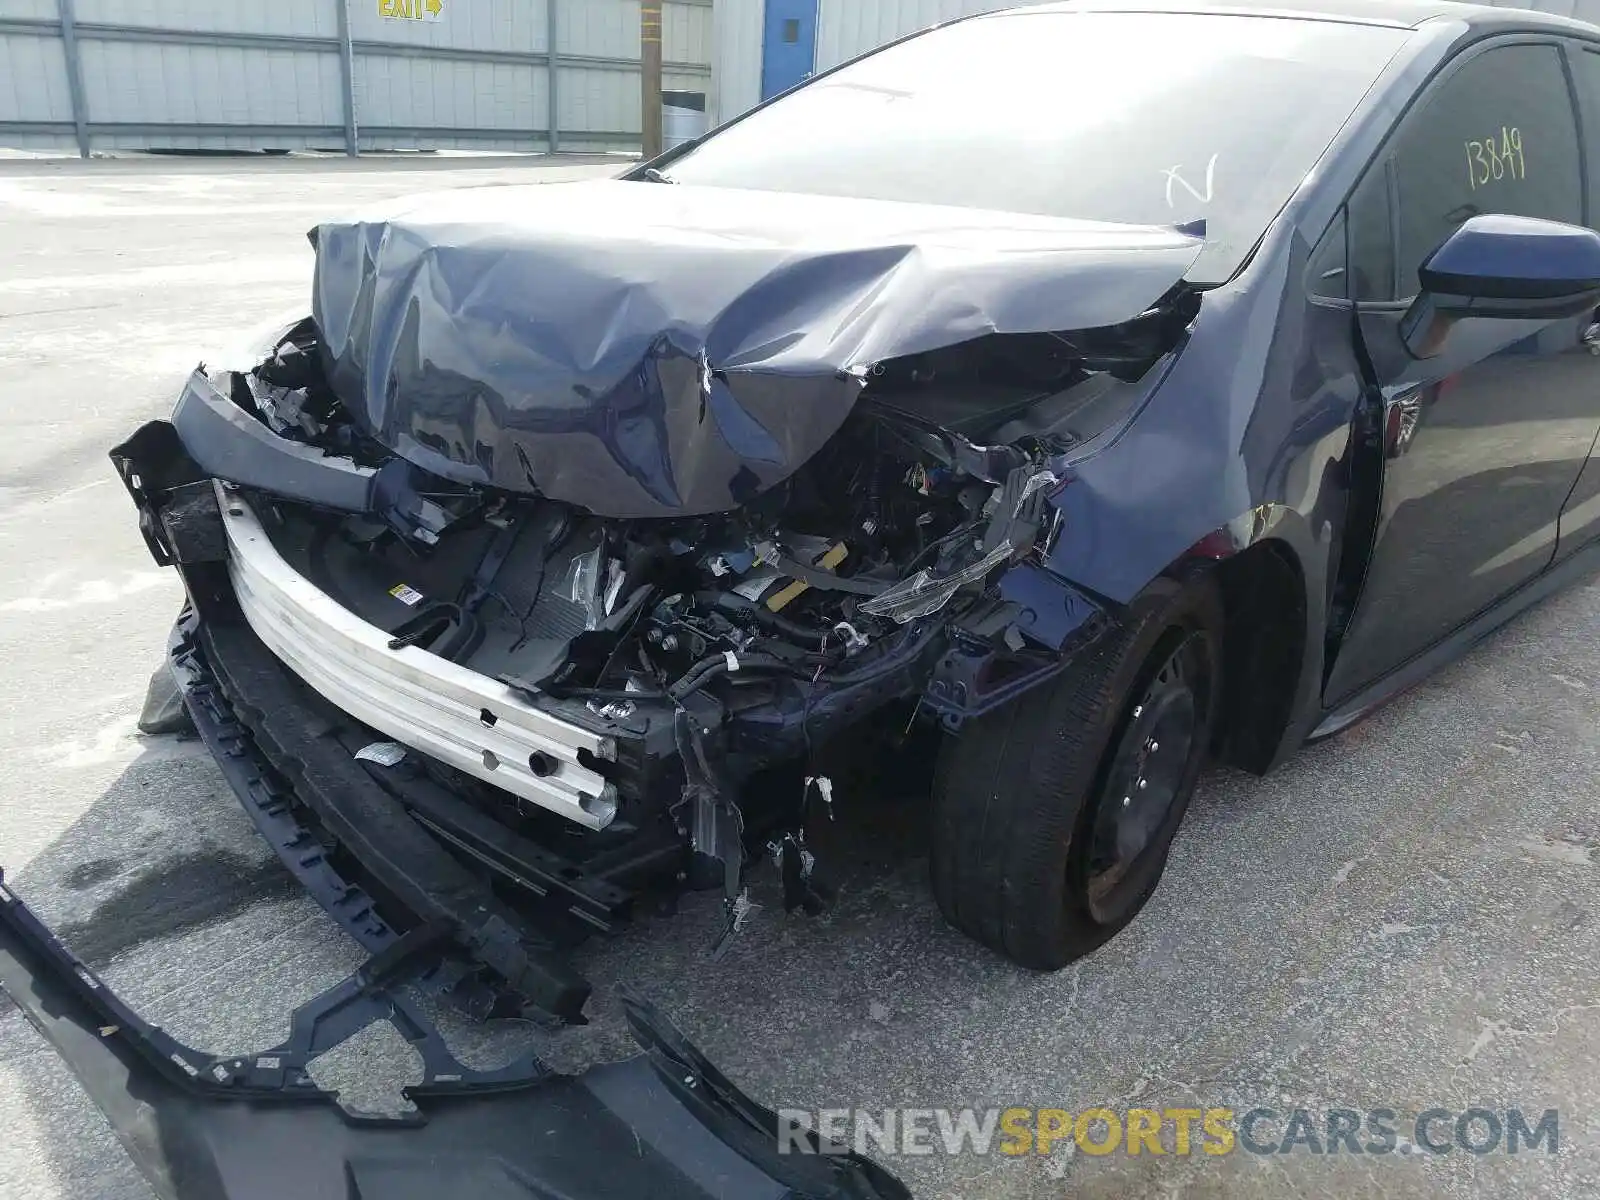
point(1327, 276)
point(1372, 260)
point(1586, 76)
point(1497, 136)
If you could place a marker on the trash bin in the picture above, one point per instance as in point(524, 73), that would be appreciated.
point(683, 117)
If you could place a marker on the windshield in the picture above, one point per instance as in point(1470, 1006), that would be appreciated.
point(1153, 118)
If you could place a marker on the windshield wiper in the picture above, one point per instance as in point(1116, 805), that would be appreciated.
point(657, 176)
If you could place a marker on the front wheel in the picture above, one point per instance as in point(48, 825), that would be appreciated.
point(1053, 815)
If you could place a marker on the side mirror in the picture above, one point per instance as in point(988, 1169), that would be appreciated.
point(1513, 268)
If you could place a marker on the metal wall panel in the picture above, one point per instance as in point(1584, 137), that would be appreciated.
point(423, 93)
point(611, 30)
point(516, 25)
point(33, 86)
point(157, 83)
point(601, 101)
point(310, 18)
point(247, 74)
point(686, 35)
point(39, 10)
point(459, 100)
point(179, 137)
point(588, 29)
point(598, 99)
point(736, 82)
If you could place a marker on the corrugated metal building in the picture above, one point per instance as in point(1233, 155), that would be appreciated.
point(765, 46)
point(294, 74)
point(472, 74)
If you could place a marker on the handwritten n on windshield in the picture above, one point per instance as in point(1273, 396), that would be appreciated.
point(1173, 177)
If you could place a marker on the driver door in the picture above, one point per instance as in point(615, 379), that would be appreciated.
point(1483, 442)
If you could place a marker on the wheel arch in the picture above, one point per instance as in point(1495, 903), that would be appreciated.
point(1265, 638)
point(1272, 575)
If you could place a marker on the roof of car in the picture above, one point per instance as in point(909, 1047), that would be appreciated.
point(1402, 13)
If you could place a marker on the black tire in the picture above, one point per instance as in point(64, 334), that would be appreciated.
point(1023, 796)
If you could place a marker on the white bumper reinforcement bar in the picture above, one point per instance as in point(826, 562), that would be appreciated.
point(420, 700)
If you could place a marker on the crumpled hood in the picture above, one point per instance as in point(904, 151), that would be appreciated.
point(646, 350)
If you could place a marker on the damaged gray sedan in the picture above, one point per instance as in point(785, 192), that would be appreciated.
point(543, 562)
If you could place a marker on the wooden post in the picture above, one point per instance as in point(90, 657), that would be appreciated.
point(650, 75)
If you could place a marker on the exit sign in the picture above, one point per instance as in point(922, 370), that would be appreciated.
point(411, 10)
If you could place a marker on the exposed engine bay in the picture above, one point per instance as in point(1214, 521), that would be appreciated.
point(882, 527)
point(588, 566)
point(725, 648)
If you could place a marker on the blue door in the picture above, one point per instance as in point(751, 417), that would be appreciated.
point(788, 45)
point(1485, 440)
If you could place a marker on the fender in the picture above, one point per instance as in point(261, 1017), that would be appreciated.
point(1216, 462)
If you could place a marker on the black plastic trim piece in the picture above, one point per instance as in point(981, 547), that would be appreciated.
point(228, 443)
point(267, 802)
point(664, 1125)
point(409, 869)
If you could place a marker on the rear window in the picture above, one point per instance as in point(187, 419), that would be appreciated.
point(1153, 118)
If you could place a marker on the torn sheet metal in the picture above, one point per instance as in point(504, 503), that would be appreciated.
point(642, 350)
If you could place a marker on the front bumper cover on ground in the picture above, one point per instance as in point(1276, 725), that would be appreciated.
point(665, 1125)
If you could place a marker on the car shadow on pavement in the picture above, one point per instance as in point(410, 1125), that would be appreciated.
point(162, 857)
point(165, 888)
point(1293, 905)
